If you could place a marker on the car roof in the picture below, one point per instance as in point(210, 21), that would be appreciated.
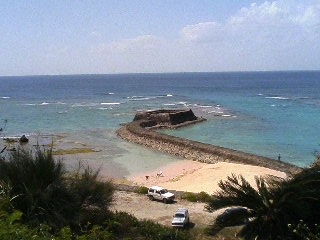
point(182, 210)
point(157, 188)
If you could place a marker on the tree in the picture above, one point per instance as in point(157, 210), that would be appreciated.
point(274, 203)
point(47, 195)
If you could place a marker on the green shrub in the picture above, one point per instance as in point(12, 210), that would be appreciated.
point(46, 196)
point(124, 225)
point(38, 181)
point(44, 204)
point(272, 204)
point(196, 197)
point(304, 231)
point(120, 223)
point(203, 197)
point(91, 197)
point(152, 230)
point(141, 190)
point(189, 196)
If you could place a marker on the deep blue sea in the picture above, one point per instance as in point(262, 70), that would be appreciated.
point(266, 113)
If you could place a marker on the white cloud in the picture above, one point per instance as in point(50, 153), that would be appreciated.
point(268, 36)
point(277, 35)
point(95, 34)
point(268, 17)
point(139, 43)
point(200, 32)
point(263, 13)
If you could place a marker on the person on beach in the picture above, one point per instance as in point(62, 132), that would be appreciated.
point(279, 157)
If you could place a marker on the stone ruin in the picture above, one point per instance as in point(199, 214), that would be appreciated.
point(166, 118)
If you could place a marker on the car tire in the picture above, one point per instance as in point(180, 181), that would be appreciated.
point(165, 200)
point(151, 198)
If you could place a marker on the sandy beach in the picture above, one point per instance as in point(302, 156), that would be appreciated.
point(192, 176)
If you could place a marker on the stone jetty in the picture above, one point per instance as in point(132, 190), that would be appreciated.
point(142, 130)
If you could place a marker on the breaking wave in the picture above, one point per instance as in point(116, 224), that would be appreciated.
point(280, 98)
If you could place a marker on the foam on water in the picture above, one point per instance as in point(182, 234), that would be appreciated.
point(30, 104)
point(280, 98)
point(140, 99)
point(84, 105)
point(204, 106)
point(259, 123)
point(63, 112)
point(110, 103)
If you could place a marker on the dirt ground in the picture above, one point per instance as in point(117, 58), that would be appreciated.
point(143, 208)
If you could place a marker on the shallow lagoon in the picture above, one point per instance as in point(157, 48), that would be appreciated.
point(262, 113)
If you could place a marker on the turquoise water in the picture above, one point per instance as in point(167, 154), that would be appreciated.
point(265, 113)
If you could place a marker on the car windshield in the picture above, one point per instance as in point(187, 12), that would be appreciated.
point(179, 215)
point(163, 191)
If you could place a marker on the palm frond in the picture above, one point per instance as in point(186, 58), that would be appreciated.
point(235, 191)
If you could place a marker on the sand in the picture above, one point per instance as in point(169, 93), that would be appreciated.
point(191, 176)
point(141, 207)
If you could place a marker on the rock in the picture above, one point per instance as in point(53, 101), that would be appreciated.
point(165, 118)
point(23, 139)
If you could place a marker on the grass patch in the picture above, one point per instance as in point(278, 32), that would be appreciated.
point(141, 190)
point(74, 151)
point(196, 197)
point(11, 140)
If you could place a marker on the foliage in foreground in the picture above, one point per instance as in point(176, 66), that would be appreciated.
point(119, 226)
point(39, 201)
point(302, 231)
point(46, 196)
point(275, 204)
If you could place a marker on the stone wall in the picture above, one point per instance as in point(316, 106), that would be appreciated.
point(193, 150)
point(166, 118)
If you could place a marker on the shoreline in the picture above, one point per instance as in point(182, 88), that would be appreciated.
point(142, 130)
point(192, 176)
point(139, 132)
point(101, 149)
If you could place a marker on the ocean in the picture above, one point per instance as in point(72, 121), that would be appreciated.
point(265, 113)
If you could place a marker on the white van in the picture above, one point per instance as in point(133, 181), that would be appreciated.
point(161, 194)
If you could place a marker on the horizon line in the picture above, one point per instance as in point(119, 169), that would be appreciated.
point(137, 73)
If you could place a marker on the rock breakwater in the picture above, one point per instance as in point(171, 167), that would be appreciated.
point(142, 131)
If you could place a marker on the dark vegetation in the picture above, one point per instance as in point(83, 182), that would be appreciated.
point(40, 200)
point(141, 190)
point(196, 197)
point(276, 208)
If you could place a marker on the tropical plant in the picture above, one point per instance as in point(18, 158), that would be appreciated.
point(38, 179)
point(91, 197)
point(274, 204)
point(47, 196)
point(302, 231)
point(40, 201)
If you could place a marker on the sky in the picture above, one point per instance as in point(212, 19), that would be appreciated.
point(129, 36)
